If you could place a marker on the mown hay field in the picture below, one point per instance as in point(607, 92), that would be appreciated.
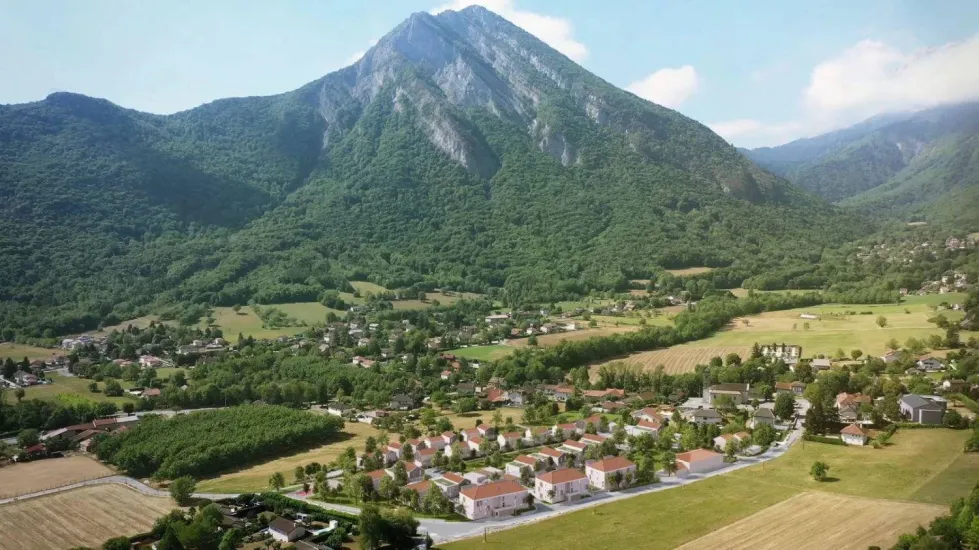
point(80, 517)
point(39, 475)
point(816, 520)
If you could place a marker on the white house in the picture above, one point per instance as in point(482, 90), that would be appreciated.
point(698, 461)
point(423, 457)
point(500, 498)
point(521, 463)
point(854, 435)
point(650, 427)
point(761, 416)
point(508, 440)
point(284, 530)
point(600, 472)
point(561, 485)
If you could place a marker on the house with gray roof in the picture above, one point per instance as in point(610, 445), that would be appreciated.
point(923, 409)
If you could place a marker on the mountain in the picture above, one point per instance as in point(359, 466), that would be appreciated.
point(460, 152)
point(908, 162)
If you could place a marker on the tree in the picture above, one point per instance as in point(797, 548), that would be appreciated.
point(19, 393)
point(113, 388)
point(669, 462)
point(856, 354)
point(784, 406)
point(117, 543)
point(532, 340)
point(435, 502)
point(497, 419)
point(881, 321)
point(28, 438)
point(277, 481)
point(400, 473)
point(764, 435)
point(236, 308)
point(819, 470)
point(892, 344)
point(169, 541)
point(371, 527)
point(387, 488)
point(9, 369)
point(954, 420)
point(299, 474)
point(182, 488)
point(730, 448)
point(231, 539)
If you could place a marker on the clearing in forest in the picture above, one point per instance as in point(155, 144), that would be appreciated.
point(817, 520)
point(18, 352)
point(689, 271)
point(556, 338)
point(39, 475)
point(80, 517)
point(676, 359)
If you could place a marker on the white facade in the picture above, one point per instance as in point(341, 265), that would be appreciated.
point(597, 478)
point(502, 499)
point(562, 490)
point(853, 439)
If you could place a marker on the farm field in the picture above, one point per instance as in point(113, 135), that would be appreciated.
point(817, 520)
point(255, 478)
point(833, 330)
point(468, 420)
point(612, 320)
point(649, 521)
point(689, 271)
point(365, 286)
point(81, 517)
point(554, 339)
point(18, 352)
point(247, 323)
point(66, 388)
point(139, 322)
point(676, 359)
point(31, 477)
point(442, 298)
point(483, 353)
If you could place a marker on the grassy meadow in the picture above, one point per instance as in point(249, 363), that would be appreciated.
point(18, 352)
point(70, 388)
point(483, 353)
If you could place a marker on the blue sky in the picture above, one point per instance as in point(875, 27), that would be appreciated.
point(760, 72)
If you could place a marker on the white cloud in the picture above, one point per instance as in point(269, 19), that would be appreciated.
point(867, 79)
point(355, 57)
point(557, 32)
point(667, 87)
point(872, 77)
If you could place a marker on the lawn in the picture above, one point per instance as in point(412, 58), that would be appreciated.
point(139, 322)
point(614, 320)
point(256, 478)
point(916, 459)
point(467, 421)
point(365, 287)
point(247, 323)
point(67, 388)
point(483, 353)
point(442, 298)
point(584, 334)
point(689, 271)
point(80, 517)
point(17, 352)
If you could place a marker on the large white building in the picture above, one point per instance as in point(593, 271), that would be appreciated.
point(561, 485)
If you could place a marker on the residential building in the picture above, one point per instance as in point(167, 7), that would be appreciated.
point(649, 414)
point(645, 426)
point(573, 448)
point(485, 430)
point(496, 499)
point(795, 388)
point(508, 440)
point(423, 457)
point(592, 439)
point(567, 429)
point(557, 457)
point(954, 386)
point(335, 408)
point(698, 461)
point(819, 364)
point(537, 435)
point(740, 438)
point(930, 364)
point(737, 392)
point(420, 487)
point(761, 416)
point(560, 485)
point(923, 409)
point(436, 442)
point(891, 357)
point(284, 530)
point(782, 351)
point(703, 416)
point(855, 435)
point(558, 393)
point(602, 473)
point(402, 402)
point(521, 463)
point(473, 442)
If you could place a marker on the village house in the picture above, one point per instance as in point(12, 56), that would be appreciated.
point(930, 364)
point(450, 483)
point(436, 442)
point(891, 357)
point(560, 485)
point(150, 361)
point(761, 416)
point(392, 452)
point(284, 530)
point(402, 402)
point(740, 438)
point(820, 364)
point(420, 487)
point(855, 435)
point(787, 353)
point(537, 435)
point(423, 457)
point(566, 429)
point(557, 392)
point(558, 458)
point(795, 388)
point(486, 430)
point(496, 499)
point(371, 417)
point(923, 409)
point(414, 472)
point(954, 386)
point(649, 414)
point(592, 439)
point(573, 448)
point(737, 392)
point(377, 475)
point(521, 463)
point(703, 416)
point(650, 427)
point(508, 440)
point(415, 444)
point(473, 443)
point(602, 473)
point(336, 408)
point(698, 461)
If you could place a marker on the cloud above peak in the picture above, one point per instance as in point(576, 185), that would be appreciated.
point(557, 32)
point(668, 87)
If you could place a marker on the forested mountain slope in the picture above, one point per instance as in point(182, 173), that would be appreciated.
point(898, 163)
point(460, 151)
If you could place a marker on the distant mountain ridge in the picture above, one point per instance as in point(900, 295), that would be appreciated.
point(898, 162)
point(459, 152)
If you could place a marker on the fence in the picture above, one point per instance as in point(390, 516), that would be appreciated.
point(50, 486)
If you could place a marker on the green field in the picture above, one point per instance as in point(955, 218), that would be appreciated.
point(247, 323)
point(68, 388)
point(661, 320)
point(364, 287)
point(483, 353)
point(922, 465)
point(18, 352)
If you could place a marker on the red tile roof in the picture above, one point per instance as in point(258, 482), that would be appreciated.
point(494, 489)
point(696, 455)
point(649, 424)
point(426, 452)
point(528, 460)
point(453, 477)
point(612, 464)
point(853, 429)
point(563, 475)
point(419, 486)
point(548, 451)
point(575, 445)
point(376, 474)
